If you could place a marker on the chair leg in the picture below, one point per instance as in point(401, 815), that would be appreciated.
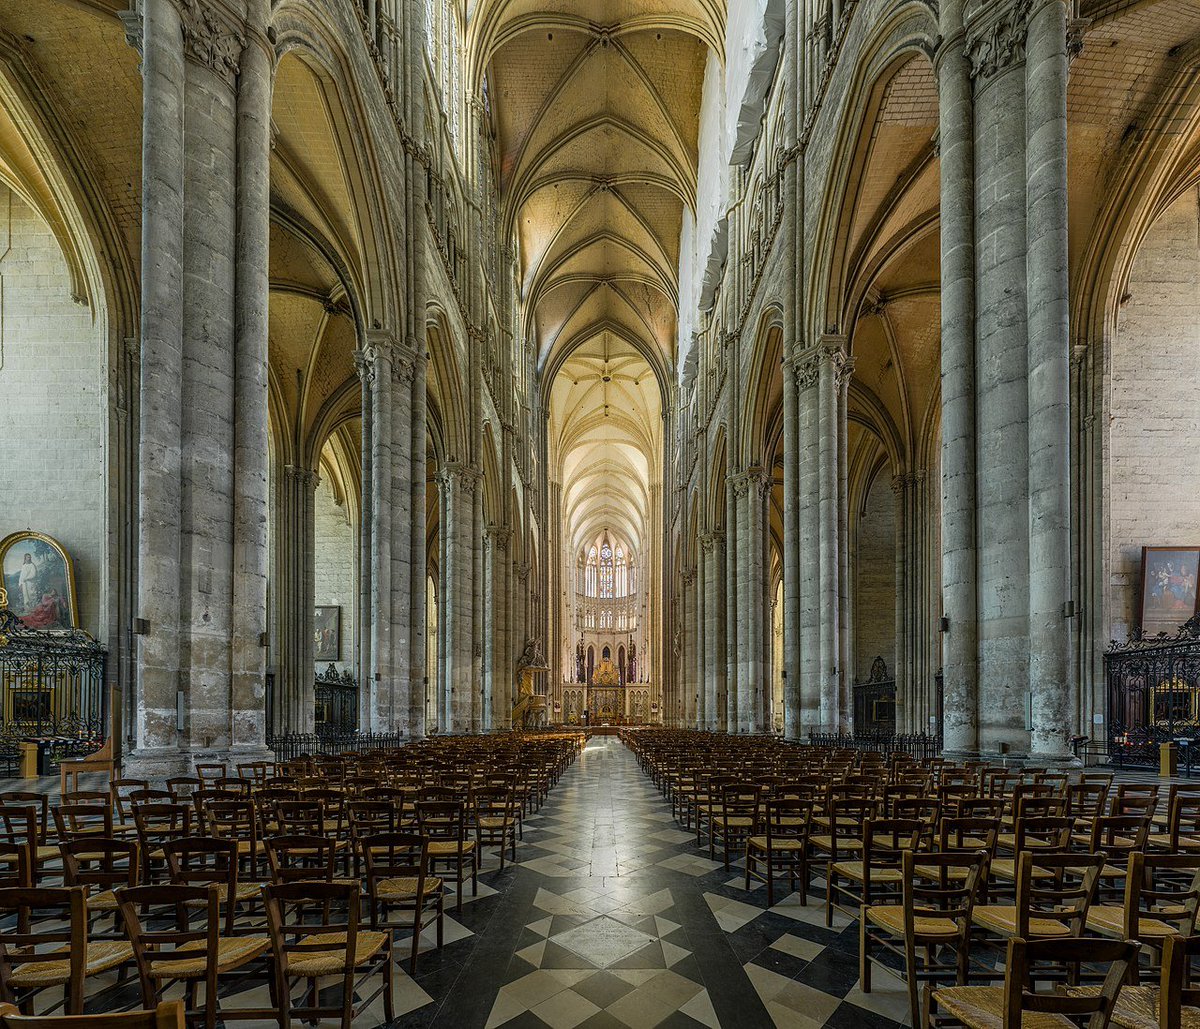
point(416, 940)
point(864, 955)
point(389, 972)
point(829, 896)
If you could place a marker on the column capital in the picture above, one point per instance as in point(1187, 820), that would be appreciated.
point(711, 540)
point(209, 39)
point(688, 575)
point(807, 368)
point(497, 536)
point(832, 352)
point(996, 41)
point(297, 475)
point(455, 475)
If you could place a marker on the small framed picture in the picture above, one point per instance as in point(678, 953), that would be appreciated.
point(40, 580)
point(1168, 594)
point(327, 634)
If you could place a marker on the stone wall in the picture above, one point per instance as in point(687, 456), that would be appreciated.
point(875, 581)
point(1153, 461)
point(52, 413)
point(334, 568)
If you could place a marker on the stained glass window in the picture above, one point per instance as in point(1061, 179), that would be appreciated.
point(606, 572)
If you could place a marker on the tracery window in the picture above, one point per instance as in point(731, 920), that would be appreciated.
point(622, 573)
point(590, 581)
point(606, 572)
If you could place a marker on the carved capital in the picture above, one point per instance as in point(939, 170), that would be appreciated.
point(998, 42)
point(740, 485)
point(456, 476)
point(497, 536)
point(403, 368)
point(689, 576)
point(808, 370)
point(209, 40)
point(132, 21)
point(299, 477)
point(1076, 31)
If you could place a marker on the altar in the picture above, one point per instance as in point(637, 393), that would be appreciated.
point(606, 700)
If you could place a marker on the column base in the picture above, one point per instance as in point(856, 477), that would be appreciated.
point(157, 764)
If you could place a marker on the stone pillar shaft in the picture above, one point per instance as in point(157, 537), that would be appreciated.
point(1002, 483)
point(296, 566)
point(791, 554)
point(810, 554)
point(958, 538)
point(378, 356)
point(160, 459)
point(1053, 709)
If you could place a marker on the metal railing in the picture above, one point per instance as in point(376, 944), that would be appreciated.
point(918, 744)
point(289, 746)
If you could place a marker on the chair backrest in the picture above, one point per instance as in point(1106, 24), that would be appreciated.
point(787, 818)
point(79, 820)
point(740, 800)
point(494, 802)
point(394, 855)
point(1039, 806)
point(1118, 836)
point(38, 800)
point(168, 1015)
point(1062, 896)
point(209, 771)
point(181, 787)
point(295, 858)
point(847, 815)
point(1086, 799)
point(969, 834)
point(163, 919)
point(886, 840)
point(941, 885)
point(18, 844)
point(442, 819)
point(301, 919)
point(1139, 793)
point(1177, 990)
point(120, 791)
point(1020, 975)
point(301, 817)
point(45, 916)
point(1043, 832)
point(1162, 887)
point(160, 822)
point(100, 864)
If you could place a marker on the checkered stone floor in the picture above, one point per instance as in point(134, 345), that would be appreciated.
point(613, 917)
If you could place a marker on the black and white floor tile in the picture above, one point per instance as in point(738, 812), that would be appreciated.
point(613, 917)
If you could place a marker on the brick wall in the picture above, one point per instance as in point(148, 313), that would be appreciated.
point(334, 570)
point(52, 407)
point(875, 581)
point(1154, 364)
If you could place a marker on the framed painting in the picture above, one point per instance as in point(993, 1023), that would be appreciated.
point(327, 634)
point(1168, 593)
point(40, 580)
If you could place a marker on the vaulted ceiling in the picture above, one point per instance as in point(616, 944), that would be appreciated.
point(596, 108)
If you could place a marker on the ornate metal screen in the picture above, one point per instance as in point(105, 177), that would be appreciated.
point(335, 695)
point(52, 687)
point(1153, 694)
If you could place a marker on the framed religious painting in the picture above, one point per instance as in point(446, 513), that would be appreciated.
point(1168, 593)
point(40, 580)
point(327, 633)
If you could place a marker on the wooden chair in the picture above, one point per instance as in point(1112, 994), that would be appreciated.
point(1053, 893)
point(100, 866)
point(70, 769)
point(157, 824)
point(495, 819)
point(1175, 1003)
point(397, 871)
point(168, 1015)
point(735, 821)
point(308, 947)
point(874, 872)
point(203, 861)
point(1162, 897)
point(443, 823)
point(988, 1007)
point(49, 948)
point(937, 897)
point(782, 847)
point(301, 858)
point(169, 948)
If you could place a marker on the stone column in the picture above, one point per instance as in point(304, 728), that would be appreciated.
point(421, 673)
point(700, 639)
point(401, 686)
point(996, 49)
point(251, 488)
point(201, 560)
point(845, 631)
point(714, 630)
point(834, 367)
point(160, 467)
point(1054, 714)
point(807, 374)
point(295, 563)
point(741, 688)
point(791, 553)
point(502, 661)
point(734, 673)
point(958, 537)
point(459, 483)
point(377, 358)
point(366, 717)
point(476, 592)
point(752, 685)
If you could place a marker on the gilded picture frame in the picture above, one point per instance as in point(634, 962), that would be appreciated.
point(39, 577)
point(327, 634)
point(1168, 594)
